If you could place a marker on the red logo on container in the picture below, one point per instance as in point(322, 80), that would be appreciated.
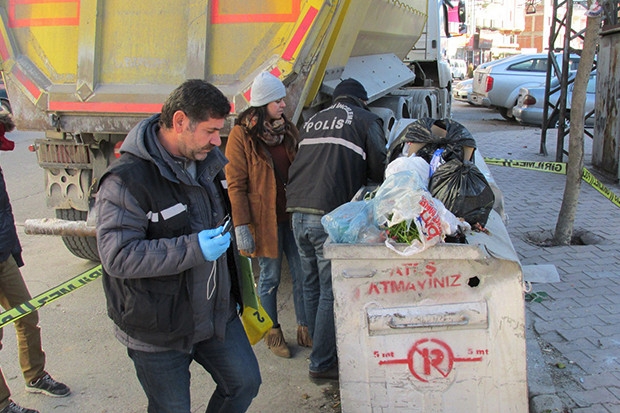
point(430, 359)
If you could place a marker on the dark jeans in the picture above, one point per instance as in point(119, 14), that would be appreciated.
point(318, 295)
point(165, 376)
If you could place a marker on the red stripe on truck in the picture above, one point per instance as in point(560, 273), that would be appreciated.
point(218, 17)
point(26, 82)
point(71, 18)
point(105, 107)
point(300, 33)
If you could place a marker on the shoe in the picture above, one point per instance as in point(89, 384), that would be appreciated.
point(13, 408)
point(276, 343)
point(303, 336)
point(47, 385)
point(329, 374)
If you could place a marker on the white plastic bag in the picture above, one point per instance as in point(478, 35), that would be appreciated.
point(399, 199)
point(410, 163)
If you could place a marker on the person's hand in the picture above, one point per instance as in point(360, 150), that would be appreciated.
point(212, 243)
point(245, 242)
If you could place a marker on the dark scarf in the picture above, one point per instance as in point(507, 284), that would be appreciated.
point(274, 130)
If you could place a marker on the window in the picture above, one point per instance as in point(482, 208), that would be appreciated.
point(573, 63)
point(531, 65)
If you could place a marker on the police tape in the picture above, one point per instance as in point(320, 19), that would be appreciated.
point(47, 297)
point(557, 168)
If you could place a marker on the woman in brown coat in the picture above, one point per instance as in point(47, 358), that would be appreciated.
point(261, 147)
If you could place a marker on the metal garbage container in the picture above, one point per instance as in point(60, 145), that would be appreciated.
point(439, 331)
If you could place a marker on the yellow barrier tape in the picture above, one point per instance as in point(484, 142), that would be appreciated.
point(558, 168)
point(555, 167)
point(47, 297)
point(596, 184)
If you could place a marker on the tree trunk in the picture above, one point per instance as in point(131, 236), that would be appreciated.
point(566, 219)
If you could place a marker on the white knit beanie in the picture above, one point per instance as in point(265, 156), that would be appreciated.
point(265, 89)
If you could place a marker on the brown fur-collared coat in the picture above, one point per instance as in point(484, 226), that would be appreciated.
point(252, 187)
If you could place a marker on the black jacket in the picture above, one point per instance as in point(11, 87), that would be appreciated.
point(159, 288)
point(342, 149)
point(9, 242)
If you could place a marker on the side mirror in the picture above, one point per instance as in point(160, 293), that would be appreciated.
point(462, 13)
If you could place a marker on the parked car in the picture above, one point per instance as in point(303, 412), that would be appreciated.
point(497, 85)
point(462, 90)
point(480, 66)
point(4, 98)
point(530, 104)
point(458, 68)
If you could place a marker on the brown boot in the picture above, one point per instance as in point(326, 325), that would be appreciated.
point(303, 336)
point(276, 343)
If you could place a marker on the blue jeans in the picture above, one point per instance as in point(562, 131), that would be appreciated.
point(318, 295)
point(271, 270)
point(165, 376)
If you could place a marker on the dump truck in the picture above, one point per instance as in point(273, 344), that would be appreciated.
point(86, 71)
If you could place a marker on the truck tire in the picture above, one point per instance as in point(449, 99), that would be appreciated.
point(506, 113)
point(554, 122)
point(81, 247)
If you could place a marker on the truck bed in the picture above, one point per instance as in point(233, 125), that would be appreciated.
point(83, 65)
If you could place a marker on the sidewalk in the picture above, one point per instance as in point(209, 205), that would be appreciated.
point(573, 326)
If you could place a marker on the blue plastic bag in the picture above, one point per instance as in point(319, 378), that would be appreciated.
point(352, 223)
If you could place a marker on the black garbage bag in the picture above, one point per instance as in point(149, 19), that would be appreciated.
point(464, 191)
point(456, 138)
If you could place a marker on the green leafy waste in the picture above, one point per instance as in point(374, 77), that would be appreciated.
point(404, 232)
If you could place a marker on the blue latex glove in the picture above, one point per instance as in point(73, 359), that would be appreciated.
point(212, 243)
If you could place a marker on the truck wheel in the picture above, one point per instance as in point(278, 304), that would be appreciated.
point(82, 247)
point(555, 121)
point(503, 112)
point(506, 113)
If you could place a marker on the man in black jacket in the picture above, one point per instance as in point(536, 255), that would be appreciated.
point(342, 149)
point(170, 275)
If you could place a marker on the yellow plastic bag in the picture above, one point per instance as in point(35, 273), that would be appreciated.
point(256, 321)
